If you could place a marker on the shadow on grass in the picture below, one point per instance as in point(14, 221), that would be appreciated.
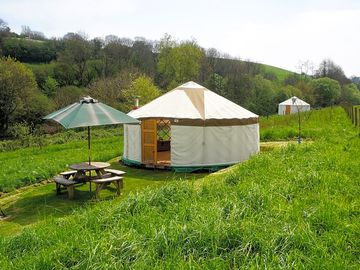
point(39, 202)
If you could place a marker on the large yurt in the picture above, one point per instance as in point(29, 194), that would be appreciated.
point(190, 128)
point(293, 105)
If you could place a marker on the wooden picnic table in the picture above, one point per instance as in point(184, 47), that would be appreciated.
point(84, 167)
point(82, 173)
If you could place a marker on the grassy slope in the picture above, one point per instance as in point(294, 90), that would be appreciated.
point(280, 73)
point(297, 207)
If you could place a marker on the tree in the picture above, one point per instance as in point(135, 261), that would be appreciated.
point(178, 63)
point(67, 95)
point(111, 90)
point(50, 86)
point(186, 61)
point(142, 56)
point(143, 87)
point(76, 55)
point(350, 94)
point(286, 92)
point(329, 69)
point(27, 32)
point(356, 80)
point(17, 85)
point(165, 68)
point(217, 83)
point(115, 57)
point(262, 101)
point(306, 88)
point(4, 32)
point(326, 91)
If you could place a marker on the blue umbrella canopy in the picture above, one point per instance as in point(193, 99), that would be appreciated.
point(89, 112)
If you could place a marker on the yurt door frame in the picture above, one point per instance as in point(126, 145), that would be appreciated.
point(149, 141)
point(287, 109)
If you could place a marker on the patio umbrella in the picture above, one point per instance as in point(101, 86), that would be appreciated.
point(89, 112)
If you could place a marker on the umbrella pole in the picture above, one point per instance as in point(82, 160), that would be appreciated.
point(89, 145)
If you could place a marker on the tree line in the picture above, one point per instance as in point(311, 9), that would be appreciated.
point(39, 75)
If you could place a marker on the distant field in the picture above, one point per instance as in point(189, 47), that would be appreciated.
point(280, 73)
point(286, 127)
point(293, 208)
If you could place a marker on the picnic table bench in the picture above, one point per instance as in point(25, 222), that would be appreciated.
point(115, 172)
point(69, 184)
point(102, 182)
point(68, 174)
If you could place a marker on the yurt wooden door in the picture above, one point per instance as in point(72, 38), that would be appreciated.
point(287, 109)
point(148, 141)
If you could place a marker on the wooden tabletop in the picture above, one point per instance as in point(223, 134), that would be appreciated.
point(85, 166)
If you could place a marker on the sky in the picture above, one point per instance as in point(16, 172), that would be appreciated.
point(275, 32)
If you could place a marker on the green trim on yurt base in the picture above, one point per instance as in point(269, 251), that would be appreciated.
point(181, 169)
point(129, 162)
point(211, 168)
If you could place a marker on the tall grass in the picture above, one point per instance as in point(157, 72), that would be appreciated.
point(286, 127)
point(296, 207)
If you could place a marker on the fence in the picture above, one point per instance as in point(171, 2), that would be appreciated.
point(354, 113)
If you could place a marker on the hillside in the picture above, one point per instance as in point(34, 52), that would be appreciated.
point(281, 74)
point(295, 207)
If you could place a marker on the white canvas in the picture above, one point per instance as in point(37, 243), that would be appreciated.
point(207, 146)
point(132, 142)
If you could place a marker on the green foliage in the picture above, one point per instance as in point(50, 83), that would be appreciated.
point(112, 91)
point(17, 86)
point(262, 96)
point(217, 84)
point(294, 208)
point(76, 55)
point(42, 72)
point(143, 87)
point(50, 86)
point(29, 50)
point(326, 91)
point(350, 94)
point(178, 63)
point(67, 95)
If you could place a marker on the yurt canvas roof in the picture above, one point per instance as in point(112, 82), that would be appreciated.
point(298, 102)
point(192, 101)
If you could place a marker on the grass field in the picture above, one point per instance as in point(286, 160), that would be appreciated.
point(295, 207)
point(280, 73)
point(285, 127)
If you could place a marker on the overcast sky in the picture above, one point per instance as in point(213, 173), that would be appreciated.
point(276, 32)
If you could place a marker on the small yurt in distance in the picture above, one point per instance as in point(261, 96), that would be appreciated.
point(293, 105)
point(190, 128)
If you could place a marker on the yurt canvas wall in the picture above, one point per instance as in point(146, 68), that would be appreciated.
point(207, 130)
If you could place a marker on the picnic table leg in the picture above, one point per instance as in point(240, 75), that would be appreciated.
point(117, 184)
point(70, 190)
point(99, 186)
point(58, 189)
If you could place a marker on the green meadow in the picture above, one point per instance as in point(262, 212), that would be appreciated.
point(295, 206)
